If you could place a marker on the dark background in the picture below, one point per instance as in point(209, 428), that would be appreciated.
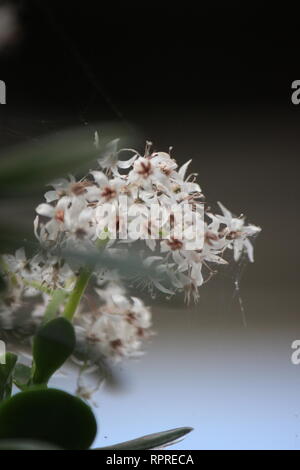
point(215, 83)
point(80, 56)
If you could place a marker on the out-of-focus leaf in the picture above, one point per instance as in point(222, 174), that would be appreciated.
point(21, 375)
point(6, 373)
point(151, 441)
point(48, 415)
point(53, 344)
point(29, 166)
point(128, 265)
point(16, 444)
point(2, 283)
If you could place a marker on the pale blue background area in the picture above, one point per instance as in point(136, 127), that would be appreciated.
point(236, 386)
point(234, 398)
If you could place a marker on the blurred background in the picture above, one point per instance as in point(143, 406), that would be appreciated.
point(214, 83)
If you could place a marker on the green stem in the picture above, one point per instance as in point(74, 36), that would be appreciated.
point(57, 299)
point(81, 284)
point(38, 286)
point(76, 294)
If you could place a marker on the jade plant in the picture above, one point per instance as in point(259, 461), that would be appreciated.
point(135, 223)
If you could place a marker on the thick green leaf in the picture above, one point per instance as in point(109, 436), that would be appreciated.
point(21, 375)
point(6, 371)
point(15, 444)
point(151, 441)
point(48, 415)
point(52, 346)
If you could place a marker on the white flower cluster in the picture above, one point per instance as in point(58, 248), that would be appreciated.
point(110, 324)
point(72, 212)
point(116, 328)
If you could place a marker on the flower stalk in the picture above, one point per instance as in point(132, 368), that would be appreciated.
point(77, 293)
point(57, 299)
point(81, 284)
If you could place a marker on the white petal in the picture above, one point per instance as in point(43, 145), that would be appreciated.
point(150, 260)
point(45, 209)
point(51, 196)
point(160, 287)
point(216, 259)
point(164, 246)
point(96, 139)
point(192, 187)
point(178, 258)
point(196, 273)
point(151, 243)
point(20, 254)
point(182, 170)
point(100, 178)
point(35, 226)
point(249, 248)
point(237, 249)
point(60, 183)
point(225, 211)
point(124, 164)
point(252, 229)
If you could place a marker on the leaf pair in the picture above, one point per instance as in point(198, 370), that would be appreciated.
point(30, 165)
point(38, 413)
point(46, 418)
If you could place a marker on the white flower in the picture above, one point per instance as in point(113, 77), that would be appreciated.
point(186, 186)
point(16, 263)
point(106, 190)
point(63, 187)
point(110, 158)
point(57, 214)
point(238, 233)
point(147, 172)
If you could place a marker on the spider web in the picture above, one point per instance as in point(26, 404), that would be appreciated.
point(233, 273)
